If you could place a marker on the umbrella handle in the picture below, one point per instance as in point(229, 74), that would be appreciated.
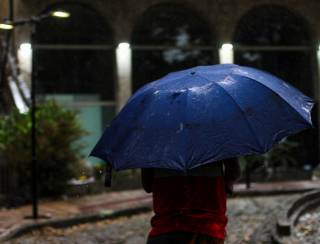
point(108, 176)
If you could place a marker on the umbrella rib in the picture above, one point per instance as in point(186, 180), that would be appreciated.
point(283, 98)
point(243, 113)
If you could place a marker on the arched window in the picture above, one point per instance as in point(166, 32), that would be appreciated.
point(73, 55)
point(73, 61)
point(277, 40)
point(169, 38)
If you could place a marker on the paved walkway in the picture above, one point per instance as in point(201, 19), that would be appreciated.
point(246, 215)
point(13, 219)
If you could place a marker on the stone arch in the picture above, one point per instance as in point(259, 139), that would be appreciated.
point(278, 40)
point(269, 26)
point(274, 23)
point(169, 36)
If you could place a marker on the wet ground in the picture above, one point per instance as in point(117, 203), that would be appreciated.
point(308, 227)
point(249, 217)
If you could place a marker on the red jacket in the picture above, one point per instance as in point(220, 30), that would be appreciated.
point(189, 203)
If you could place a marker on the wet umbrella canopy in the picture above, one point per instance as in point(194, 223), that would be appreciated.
point(203, 114)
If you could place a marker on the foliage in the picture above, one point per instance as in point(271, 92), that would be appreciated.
point(316, 173)
point(279, 155)
point(126, 179)
point(57, 149)
point(121, 180)
point(98, 170)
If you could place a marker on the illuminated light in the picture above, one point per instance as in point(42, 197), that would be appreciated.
point(25, 57)
point(60, 14)
point(226, 53)
point(26, 47)
point(123, 58)
point(124, 45)
point(227, 46)
point(4, 26)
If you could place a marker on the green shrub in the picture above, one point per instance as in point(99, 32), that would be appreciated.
point(279, 156)
point(57, 147)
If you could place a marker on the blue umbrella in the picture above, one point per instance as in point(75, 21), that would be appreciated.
point(203, 114)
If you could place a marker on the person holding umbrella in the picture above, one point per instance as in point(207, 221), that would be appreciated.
point(182, 131)
point(190, 207)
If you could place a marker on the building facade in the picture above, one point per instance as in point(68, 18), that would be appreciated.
point(79, 61)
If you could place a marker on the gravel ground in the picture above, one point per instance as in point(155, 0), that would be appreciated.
point(251, 218)
point(307, 229)
point(246, 216)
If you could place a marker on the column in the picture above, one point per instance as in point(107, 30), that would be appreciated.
point(226, 54)
point(123, 67)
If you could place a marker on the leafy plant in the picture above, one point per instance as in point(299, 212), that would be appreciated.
point(98, 170)
point(279, 155)
point(57, 147)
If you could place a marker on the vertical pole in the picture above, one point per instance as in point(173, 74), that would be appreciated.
point(4, 58)
point(10, 186)
point(247, 175)
point(317, 96)
point(11, 10)
point(11, 18)
point(33, 133)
